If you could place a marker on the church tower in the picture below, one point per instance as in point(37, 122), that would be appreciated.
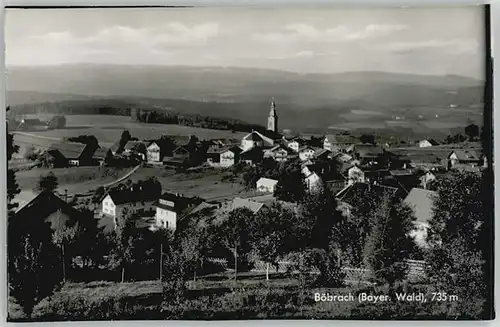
point(272, 120)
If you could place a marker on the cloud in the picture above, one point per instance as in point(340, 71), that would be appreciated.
point(453, 46)
point(119, 36)
point(305, 32)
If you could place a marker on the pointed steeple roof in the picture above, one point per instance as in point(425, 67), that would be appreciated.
point(272, 111)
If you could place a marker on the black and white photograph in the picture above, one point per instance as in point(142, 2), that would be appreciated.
point(239, 163)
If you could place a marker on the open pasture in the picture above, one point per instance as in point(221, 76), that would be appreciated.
point(108, 128)
point(206, 185)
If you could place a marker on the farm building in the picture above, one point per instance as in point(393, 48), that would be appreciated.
point(368, 152)
point(266, 185)
point(466, 157)
point(27, 124)
point(236, 203)
point(180, 155)
point(293, 143)
point(71, 154)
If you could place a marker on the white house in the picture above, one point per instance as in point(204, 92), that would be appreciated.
point(251, 140)
point(114, 202)
point(278, 153)
point(153, 153)
point(166, 212)
point(229, 157)
point(355, 175)
point(306, 153)
point(424, 144)
point(266, 185)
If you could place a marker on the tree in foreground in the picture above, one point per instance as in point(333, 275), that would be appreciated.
point(47, 182)
point(235, 234)
point(125, 235)
point(388, 244)
point(272, 238)
point(456, 239)
point(33, 268)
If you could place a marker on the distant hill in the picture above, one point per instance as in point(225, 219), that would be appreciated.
point(314, 100)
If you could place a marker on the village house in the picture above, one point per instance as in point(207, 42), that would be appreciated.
point(135, 200)
point(252, 156)
point(367, 153)
point(278, 153)
point(71, 154)
point(427, 143)
point(337, 143)
point(179, 157)
point(229, 156)
point(138, 148)
point(355, 175)
point(170, 208)
point(293, 143)
point(322, 154)
point(101, 155)
point(306, 153)
point(266, 185)
point(465, 157)
point(153, 153)
point(421, 201)
point(256, 139)
point(426, 179)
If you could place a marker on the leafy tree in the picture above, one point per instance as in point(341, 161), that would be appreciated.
point(125, 235)
point(46, 160)
point(47, 182)
point(235, 234)
point(456, 237)
point(272, 234)
point(98, 194)
point(32, 261)
point(12, 186)
point(472, 131)
point(290, 186)
point(31, 153)
point(367, 138)
point(319, 209)
point(388, 244)
point(124, 138)
point(62, 237)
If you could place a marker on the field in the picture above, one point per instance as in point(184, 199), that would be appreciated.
point(108, 128)
point(74, 179)
point(206, 184)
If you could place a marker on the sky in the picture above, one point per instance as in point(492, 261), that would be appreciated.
point(434, 41)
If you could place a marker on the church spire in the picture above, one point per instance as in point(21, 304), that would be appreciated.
point(272, 120)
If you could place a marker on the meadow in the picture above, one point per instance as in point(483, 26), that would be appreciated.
point(108, 129)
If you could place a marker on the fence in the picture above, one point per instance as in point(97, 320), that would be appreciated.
point(416, 269)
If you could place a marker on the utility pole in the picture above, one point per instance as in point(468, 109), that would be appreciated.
point(161, 261)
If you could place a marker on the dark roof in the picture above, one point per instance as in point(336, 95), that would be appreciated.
point(180, 149)
point(128, 196)
point(465, 155)
point(32, 121)
point(70, 150)
point(132, 145)
point(253, 136)
point(252, 153)
point(49, 207)
point(349, 194)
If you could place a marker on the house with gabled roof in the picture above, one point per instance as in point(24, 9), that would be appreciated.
point(336, 143)
point(136, 200)
point(136, 147)
point(427, 143)
point(278, 153)
point(256, 139)
point(101, 154)
point(171, 208)
point(466, 157)
point(153, 153)
point(252, 156)
point(71, 154)
point(266, 185)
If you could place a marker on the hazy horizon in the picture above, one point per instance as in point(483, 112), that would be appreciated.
point(421, 41)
